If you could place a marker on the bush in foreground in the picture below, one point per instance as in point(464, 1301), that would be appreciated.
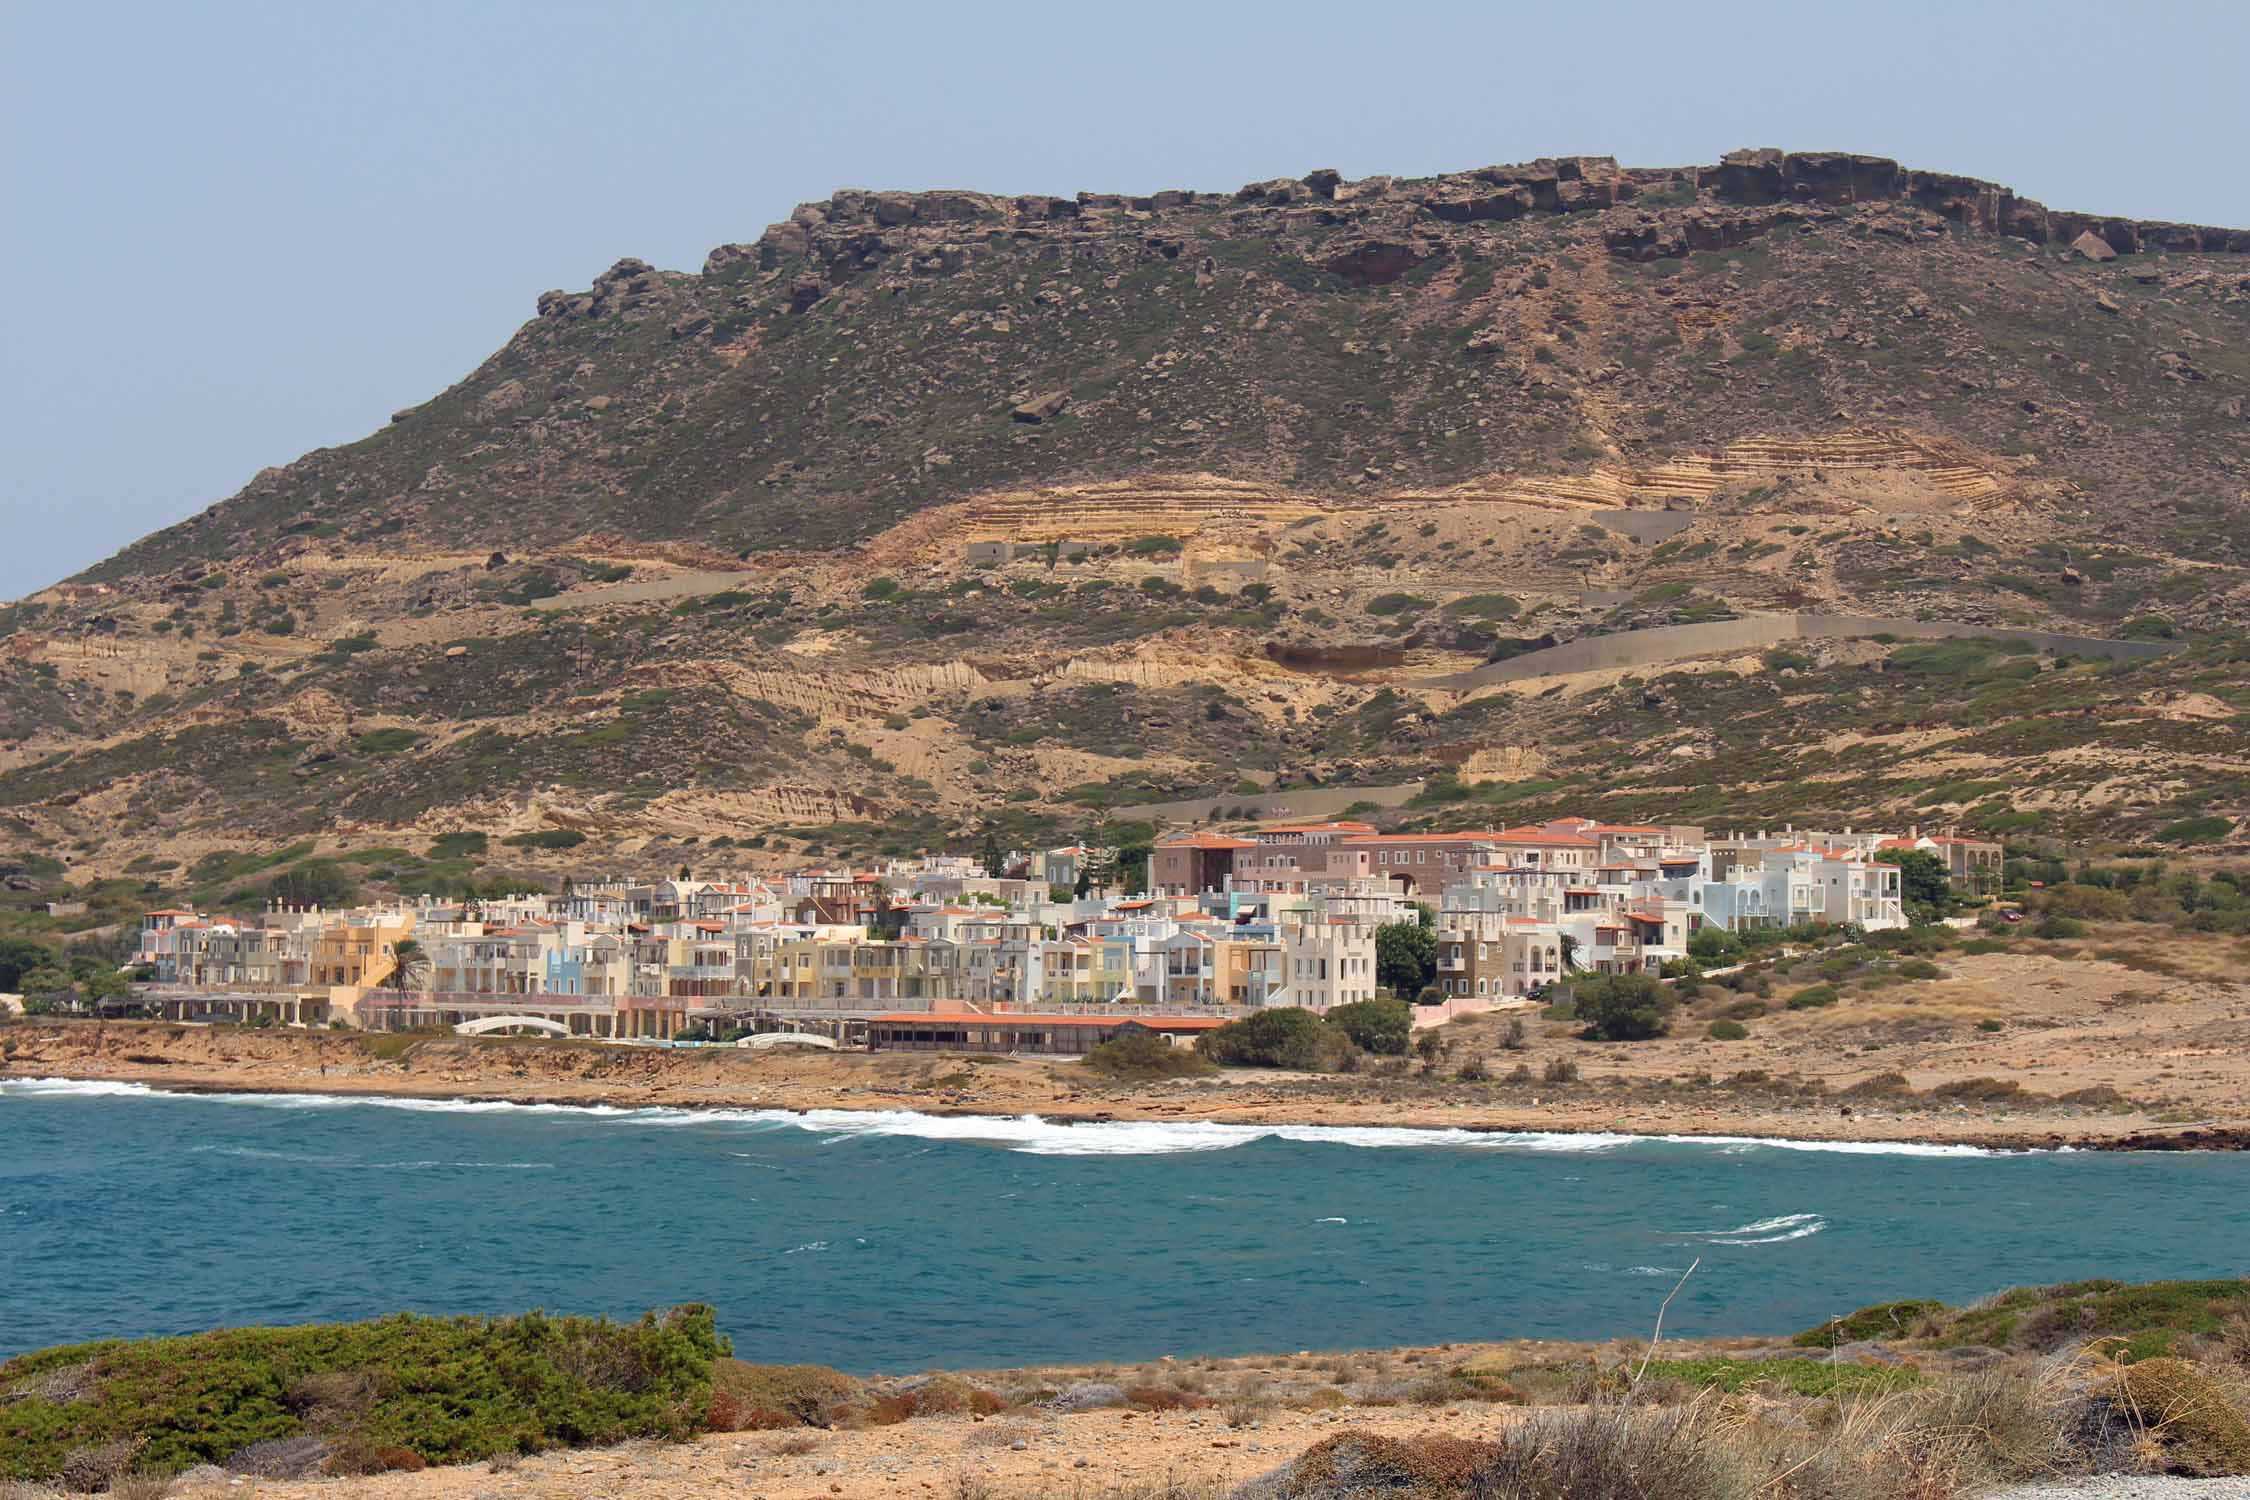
point(398, 1391)
point(2200, 1429)
point(761, 1398)
point(1921, 1444)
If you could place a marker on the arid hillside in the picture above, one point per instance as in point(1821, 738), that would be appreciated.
point(925, 513)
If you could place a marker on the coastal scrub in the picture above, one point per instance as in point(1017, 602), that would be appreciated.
point(426, 1390)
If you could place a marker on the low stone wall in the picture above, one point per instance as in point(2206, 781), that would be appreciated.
point(1640, 648)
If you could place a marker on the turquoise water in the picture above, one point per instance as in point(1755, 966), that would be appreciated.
point(875, 1241)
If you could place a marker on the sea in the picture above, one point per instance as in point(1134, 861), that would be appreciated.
point(900, 1241)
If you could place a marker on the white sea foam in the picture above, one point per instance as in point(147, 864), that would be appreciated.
point(349, 1164)
point(1032, 1134)
point(1331, 1221)
point(1765, 1232)
point(87, 1087)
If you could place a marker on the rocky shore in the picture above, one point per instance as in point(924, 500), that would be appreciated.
point(1753, 1104)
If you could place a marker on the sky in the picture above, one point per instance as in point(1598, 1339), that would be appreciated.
point(233, 232)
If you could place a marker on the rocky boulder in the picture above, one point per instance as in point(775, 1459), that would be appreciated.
point(1378, 262)
point(1042, 408)
point(2093, 246)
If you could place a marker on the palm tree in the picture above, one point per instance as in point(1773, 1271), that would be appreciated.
point(410, 964)
point(1569, 953)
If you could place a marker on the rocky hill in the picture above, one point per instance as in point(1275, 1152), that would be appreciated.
point(924, 511)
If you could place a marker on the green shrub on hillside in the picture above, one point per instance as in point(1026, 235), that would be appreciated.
point(1798, 1377)
point(1483, 607)
point(1885, 1320)
point(445, 1390)
point(387, 741)
point(1813, 997)
point(2133, 1320)
point(547, 838)
point(1623, 1008)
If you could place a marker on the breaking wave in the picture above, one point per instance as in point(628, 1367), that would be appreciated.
point(1030, 1134)
point(1764, 1232)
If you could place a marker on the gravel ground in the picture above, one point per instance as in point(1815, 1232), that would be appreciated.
point(2130, 1487)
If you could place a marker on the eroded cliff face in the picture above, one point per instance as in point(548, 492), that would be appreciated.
point(938, 507)
point(1395, 224)
point(878, 353)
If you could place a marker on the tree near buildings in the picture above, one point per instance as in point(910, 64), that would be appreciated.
point(1382, 1026)
point(1405, 957)
point(1922, 881)
point(410, 965)
point(1624, 1008)
point(20, 956)
point(1281, 1037)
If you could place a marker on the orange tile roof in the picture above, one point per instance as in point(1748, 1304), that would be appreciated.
point(1423, 838)
point(1344, 827)
point(1028, 1018)
point(1207, 841)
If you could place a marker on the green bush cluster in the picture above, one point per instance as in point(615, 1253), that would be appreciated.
point(1383, 1025)
point(448, 1390)
point(2142, 1320)
point(1623, 1007)
point(1138, 1054)
point(1797, 1377)
point(1284, 1037)
point(547, 838)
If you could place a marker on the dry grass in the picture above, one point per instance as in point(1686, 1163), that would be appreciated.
point(794, 1444)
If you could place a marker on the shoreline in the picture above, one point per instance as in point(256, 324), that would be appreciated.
point(1796, 1093)
point(2192, 1139)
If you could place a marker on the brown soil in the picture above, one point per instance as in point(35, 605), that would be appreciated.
point(1122, 1453)
point(1249, 1415)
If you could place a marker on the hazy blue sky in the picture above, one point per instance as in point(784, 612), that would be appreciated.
point(233, 232)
